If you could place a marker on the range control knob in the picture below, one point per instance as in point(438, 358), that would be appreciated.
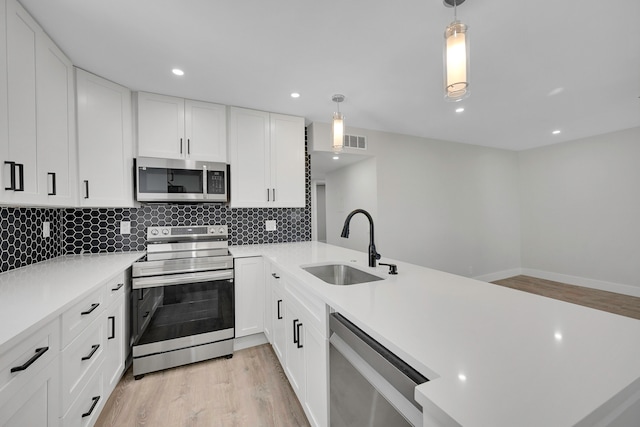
point(221, 230)
point(212, 230)
point(154, 232)
point(165, 231)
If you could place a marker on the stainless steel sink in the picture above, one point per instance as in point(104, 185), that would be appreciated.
point(341, 274)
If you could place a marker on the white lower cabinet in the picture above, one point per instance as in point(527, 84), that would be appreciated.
point(85, 410)
point(116, 343)
point(300, 344)
point(249, 296)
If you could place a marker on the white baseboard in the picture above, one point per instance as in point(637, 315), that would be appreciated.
point(583, 281)
point(249, 341)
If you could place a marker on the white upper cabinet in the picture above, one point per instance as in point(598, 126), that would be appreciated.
point(105, 147)
point(38, 147)
point(266, 153)
point(175, 128)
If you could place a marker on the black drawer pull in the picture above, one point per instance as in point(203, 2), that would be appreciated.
point(113, 327)
point(39, 352)
point(279, 315)
point(95, 399)
point(21, 176)
point(86, 188)
point(295, 336)
point(117, 288)
point(299, 343)
point(275, 275)
point(12, 183)
point(94, 348)
point(93, 307)
point(53, 184)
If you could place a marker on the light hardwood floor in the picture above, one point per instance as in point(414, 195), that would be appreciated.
point(624, 305)
point(250, 389)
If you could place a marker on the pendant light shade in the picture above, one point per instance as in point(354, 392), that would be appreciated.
point(456, 58)
point(337, 126)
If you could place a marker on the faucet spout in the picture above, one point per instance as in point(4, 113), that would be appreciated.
point(373, 254)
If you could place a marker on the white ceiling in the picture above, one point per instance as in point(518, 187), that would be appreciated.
point(536, 65)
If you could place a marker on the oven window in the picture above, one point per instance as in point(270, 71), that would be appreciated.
point(164, 180)
point(191, 309)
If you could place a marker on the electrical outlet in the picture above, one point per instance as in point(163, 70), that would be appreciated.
point(270, 225)
point(46, 229)
point(125, 227)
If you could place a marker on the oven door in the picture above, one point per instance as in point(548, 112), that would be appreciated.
point(179, 311)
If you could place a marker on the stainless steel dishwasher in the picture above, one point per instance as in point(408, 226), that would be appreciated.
point(369, 385)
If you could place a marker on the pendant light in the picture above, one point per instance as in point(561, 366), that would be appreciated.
point(337, 126)
point(456, 57)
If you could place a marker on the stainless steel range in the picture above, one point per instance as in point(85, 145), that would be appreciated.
point(183, 298)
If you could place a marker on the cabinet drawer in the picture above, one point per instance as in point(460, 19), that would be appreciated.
point(78, 317)
point(80, 361)
point(115, 287)
point(86, 408)
point(27, 358)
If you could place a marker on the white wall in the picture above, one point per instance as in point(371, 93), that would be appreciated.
point(580, 205)
point(453, 207)
point(349, 188)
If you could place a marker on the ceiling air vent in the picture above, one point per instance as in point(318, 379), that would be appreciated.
point(355, 141)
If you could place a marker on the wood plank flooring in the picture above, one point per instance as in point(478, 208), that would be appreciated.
point(624, 305)
point(249, 389)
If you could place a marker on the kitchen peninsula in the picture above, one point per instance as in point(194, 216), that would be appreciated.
point(494, 356)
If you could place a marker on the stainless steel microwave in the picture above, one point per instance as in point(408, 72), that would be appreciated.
point(173, 180)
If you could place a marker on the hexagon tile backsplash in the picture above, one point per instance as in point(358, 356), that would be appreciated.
point(74, 231)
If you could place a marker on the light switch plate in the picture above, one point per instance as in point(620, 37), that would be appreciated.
point(270, 225)
point(125, 227)
point(46, 229)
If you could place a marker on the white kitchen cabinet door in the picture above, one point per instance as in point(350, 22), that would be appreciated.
point(160, 125)
point(287, 161)
point(38, 151)
point(249, 296)
point(105, 142)
point(35, 404)
point(206, 131)
point(249, 156)
point(278, 326)
point(316, 382)
point(294, 347)
point(116, 342)
point(57, 169)
point(21, 145)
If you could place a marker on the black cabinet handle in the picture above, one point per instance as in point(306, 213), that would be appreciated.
point(268, 199)
point(275, 275)
point(295, 336)
point(21, 176)
point(93, 307)
point(299, 343)
point(274, 194)
point(279, 315)
point(95, 399)
point(12, 182)
point(86, 188)
point(39, 352)
point(188, 146)
point(113, 327)
point(140, 295)
point(146, 315)
point(94, 348)
point(180, 145)
point(53, 183)
point(117, 288)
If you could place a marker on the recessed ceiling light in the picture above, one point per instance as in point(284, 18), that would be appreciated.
point(459, 109)
point(555, 132)
point(177, 72)
point(295, 95)
point(336, 158)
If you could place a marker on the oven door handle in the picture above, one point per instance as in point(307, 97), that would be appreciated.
point(179, 279)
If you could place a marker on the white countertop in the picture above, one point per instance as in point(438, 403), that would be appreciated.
point(33, 295)
point(495, 356)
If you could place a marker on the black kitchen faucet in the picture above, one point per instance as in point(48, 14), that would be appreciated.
point(373, 254)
